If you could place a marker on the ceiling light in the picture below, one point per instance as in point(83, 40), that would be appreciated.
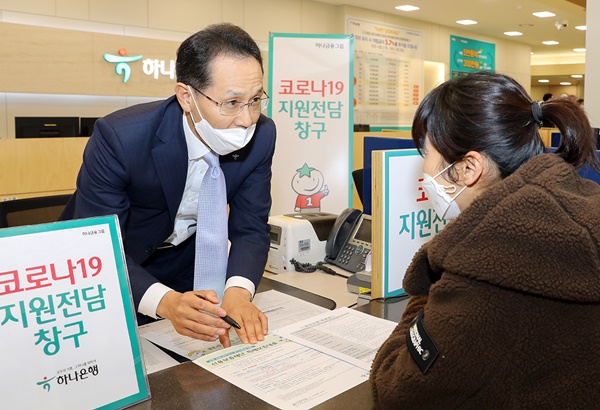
point(550, 43)
point(466, 22)
point(543, 81)
point(513, 33)
point(565, 83)
point(579, 50)
point(407, 7)
point(581, 27)
point(577, 76)
point(544, 14)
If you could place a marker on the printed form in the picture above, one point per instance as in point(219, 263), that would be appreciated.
point(281, 310)
point(301, 365)
point(344, 333)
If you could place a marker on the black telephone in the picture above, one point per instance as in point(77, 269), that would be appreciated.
point(349, 241)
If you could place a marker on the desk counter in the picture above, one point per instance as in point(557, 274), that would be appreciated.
point(319, 283)
point(188, 386)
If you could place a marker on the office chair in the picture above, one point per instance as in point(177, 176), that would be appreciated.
point(586, 171)
point(555, 138)
point(32, 211)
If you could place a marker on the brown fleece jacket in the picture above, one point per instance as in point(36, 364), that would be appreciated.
point(510, 294)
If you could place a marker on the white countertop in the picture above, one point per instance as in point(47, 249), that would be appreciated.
point(330, 286)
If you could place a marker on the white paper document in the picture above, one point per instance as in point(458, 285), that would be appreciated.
point(284, 373)
point(344, 333)
point(280, 309)
point(154, 358)
point(162, 333)
point(310, 355)
point(305, 363)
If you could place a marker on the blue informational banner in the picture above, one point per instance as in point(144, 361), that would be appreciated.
point(468, 55)
point(68, 335)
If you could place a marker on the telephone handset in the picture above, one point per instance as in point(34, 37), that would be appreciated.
point(349, 241)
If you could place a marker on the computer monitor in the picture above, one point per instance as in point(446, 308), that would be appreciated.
point(44, 127)
point(87, 126)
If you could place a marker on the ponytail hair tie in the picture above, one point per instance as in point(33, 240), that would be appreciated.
point(536, 110)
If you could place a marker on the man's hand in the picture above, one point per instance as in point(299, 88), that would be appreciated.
point(194, 317)
point(238, 306)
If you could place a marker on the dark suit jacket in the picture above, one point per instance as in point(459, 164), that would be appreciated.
point(135, 166)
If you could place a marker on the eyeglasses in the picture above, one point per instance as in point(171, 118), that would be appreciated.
point(233, 108)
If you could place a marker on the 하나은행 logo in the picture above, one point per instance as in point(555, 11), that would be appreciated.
point(121, 60)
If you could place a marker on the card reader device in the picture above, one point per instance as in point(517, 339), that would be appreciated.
point(300, 236)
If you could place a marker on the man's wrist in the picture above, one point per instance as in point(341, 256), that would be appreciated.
point(238, 291)
point(241, 282)
point(151, 299)
point(162, 310)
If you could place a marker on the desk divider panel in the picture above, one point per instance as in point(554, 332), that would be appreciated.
point(402, 218)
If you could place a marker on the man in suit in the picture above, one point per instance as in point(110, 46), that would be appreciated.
point(146, 164)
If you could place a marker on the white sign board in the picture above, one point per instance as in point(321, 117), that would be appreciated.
point(403, 219)
point(68, 336)
point(310, 80)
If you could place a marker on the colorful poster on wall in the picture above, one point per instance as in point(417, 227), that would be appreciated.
point(388, 73)
point(310, 81)
point(68, 336)
point(468, 55)
point(403, 219)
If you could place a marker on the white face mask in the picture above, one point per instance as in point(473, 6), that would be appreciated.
point(444, 205)
point(222, 141)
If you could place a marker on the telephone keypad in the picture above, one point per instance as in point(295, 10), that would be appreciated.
point(346, 256)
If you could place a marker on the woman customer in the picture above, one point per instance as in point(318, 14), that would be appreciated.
point(504, 307)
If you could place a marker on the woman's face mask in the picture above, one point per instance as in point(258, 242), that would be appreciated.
point(443, 204)
point(222, 141)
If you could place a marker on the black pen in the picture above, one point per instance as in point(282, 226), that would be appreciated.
point(226, 317)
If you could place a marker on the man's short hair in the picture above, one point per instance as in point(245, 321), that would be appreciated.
point(197, 52)
point(547, 96)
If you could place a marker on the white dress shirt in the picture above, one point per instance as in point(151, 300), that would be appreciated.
point(185, 220)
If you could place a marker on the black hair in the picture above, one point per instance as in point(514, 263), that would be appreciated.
point(492, 114)
point(197, 52)
point(546, 97)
